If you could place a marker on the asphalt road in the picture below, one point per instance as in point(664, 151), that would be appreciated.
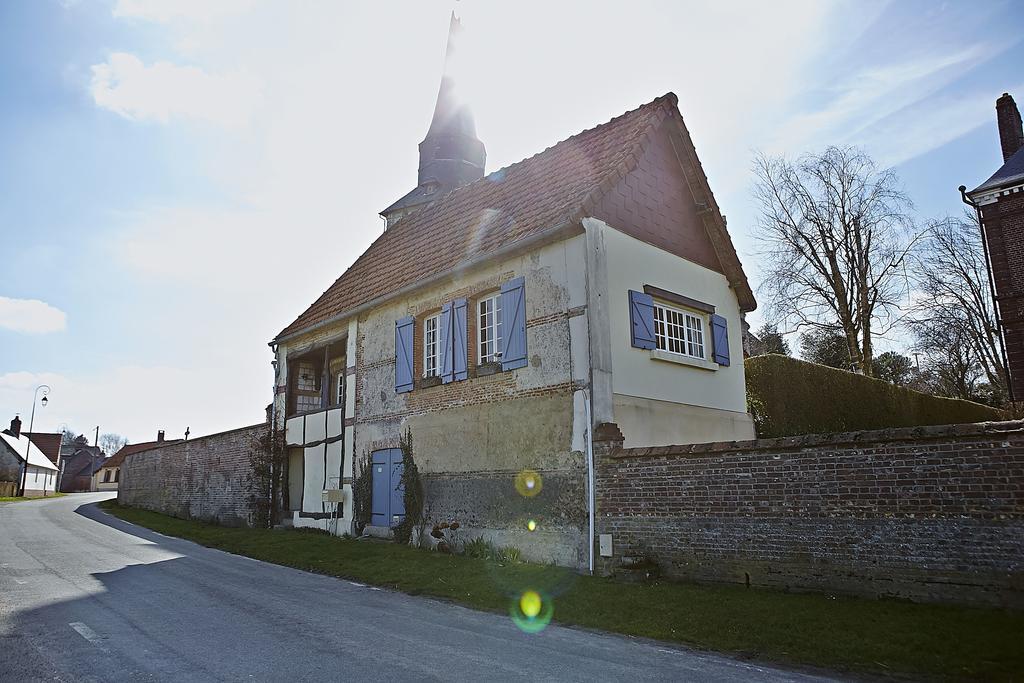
point(87, 597)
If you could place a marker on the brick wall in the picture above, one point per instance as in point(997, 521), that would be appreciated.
point(203, 478)
point(926, 513)
point(1004, 230)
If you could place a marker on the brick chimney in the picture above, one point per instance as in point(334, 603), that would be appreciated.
point(160, 436)
point(1011, 135)
point(16, 427)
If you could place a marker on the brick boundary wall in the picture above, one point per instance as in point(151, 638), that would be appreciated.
point(932, 514)
point(204, 478)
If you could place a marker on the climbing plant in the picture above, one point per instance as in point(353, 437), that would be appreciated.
point(413, 496)
point(267, 458)
point(362, 493)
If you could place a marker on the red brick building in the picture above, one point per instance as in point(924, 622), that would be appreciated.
point(1000, 204)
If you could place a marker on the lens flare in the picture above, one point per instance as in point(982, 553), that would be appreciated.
point(531, 525)
point(529, 604)
point(532, 611)
point(528, 483)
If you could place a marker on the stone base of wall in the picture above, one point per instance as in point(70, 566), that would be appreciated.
point(929, 514)
point(487, 505)
point(205, 478)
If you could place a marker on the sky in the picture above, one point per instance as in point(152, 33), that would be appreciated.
point(181, 178)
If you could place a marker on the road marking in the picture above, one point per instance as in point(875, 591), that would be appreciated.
point(357, 585)
point(87, 633)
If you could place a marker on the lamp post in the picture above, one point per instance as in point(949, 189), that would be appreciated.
point(45, 388)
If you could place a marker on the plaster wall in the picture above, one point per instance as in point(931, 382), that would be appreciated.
point(472, 437)
point(657, 402)
point(39, 481)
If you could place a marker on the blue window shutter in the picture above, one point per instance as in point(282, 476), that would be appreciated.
point(460, 348)
point(720, 335)
point(513, 324)
point(641, 319)
point(404, 329)
point(380, 505)
point(445, 342)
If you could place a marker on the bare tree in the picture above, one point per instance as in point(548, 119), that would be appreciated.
point(954, 316)
point(835, 234)
point(112, 443)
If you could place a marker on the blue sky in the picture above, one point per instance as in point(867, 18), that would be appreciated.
point(181, 179)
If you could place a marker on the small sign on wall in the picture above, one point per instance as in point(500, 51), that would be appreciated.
point(605, 543)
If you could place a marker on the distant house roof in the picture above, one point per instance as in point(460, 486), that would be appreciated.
point(1010, 173)
point(22, 444)
point(49, 444)
point(117, 458)
point(544, 193)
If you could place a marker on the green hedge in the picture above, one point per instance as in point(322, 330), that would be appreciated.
point(788, 397)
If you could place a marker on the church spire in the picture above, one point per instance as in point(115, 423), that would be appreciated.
point(451, 155)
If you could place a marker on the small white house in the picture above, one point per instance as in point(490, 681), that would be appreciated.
point(16, 453)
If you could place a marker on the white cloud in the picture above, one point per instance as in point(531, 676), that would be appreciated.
point(125, 85)
point(31, 315)
point(168, 10)
point(133, 400)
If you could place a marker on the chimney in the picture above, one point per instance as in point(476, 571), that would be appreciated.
point(16, 427)
point(1011, 136)
point(160, 436)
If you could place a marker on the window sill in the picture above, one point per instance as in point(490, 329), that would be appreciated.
point(490, 368)
point(433, 381)
point(658, 354)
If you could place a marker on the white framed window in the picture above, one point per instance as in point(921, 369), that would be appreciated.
point(431, 347)
point(679, 331)
point(489, 329)
point(340, 388)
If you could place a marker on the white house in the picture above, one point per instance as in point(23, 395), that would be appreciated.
point(500, 318)
point(16, 453)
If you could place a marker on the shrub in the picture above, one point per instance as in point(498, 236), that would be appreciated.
point(479, 548)
point(412, 486)
point(788, 397)
point(362, 493)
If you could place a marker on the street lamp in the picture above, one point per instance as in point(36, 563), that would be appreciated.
point(45, 388)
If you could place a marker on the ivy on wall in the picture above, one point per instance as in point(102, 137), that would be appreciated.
point(413, 492)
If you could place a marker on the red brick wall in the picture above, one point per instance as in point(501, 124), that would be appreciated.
point(204, 478)
point(653, 203)
point(928, 513)
point(1004, 230)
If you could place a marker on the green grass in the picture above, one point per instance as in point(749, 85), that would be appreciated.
point(20, 499)
point(839, 633)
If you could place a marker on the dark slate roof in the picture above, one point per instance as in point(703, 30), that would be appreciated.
point(1011, 173)
point(545, 192)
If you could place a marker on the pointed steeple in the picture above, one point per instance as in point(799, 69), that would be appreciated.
point(451, 155)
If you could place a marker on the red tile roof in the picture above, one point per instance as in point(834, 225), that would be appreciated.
point(542, 193)
point(49, 444)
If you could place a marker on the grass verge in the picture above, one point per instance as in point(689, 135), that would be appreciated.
point(21, 499)
point(839, 633)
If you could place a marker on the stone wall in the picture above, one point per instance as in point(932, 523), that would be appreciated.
point(204, 478)
point(924, 513)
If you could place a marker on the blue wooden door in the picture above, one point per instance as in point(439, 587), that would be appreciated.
point(387, 508)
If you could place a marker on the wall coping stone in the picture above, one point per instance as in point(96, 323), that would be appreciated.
point(185, 442)
point(999, 430)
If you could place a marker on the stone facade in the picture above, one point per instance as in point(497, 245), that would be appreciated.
point(204, 478)
point(927, 513)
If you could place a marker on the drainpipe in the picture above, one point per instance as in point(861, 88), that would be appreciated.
point(991, 288)
point(590, 481)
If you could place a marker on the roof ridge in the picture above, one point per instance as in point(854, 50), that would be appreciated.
point(613, 151)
